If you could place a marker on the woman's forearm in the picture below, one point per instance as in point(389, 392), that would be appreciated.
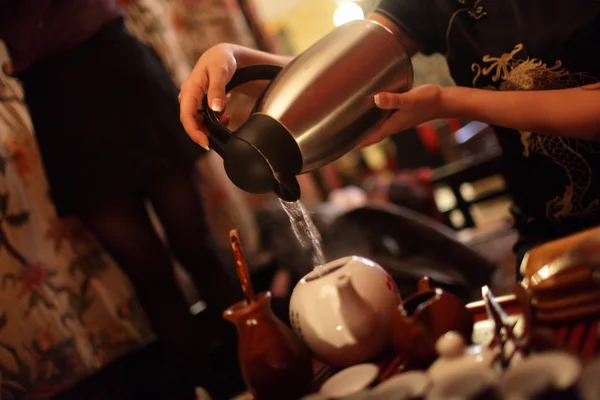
point(246, 57)
point(571, 112)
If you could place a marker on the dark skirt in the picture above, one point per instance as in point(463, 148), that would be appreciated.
point(106, 119)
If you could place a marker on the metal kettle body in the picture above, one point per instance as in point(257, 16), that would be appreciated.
point(315, 110)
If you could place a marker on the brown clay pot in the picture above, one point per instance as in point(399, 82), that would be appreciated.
point(413, 342)
point(439, 311)
point(423, 318)
point(275, 363)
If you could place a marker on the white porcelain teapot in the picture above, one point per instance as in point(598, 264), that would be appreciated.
point(344, 310)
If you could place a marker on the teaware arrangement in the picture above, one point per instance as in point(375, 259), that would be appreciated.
point(544, 376)
point(460, 374)
point(349, 311)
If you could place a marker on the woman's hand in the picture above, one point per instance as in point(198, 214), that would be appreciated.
point(210, 75)
point(412, 108)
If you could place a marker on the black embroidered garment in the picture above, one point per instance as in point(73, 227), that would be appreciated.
point(523, 45)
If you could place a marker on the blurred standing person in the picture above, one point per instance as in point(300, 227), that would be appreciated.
point(66, 309)
point(179, 31)
point(105, 112)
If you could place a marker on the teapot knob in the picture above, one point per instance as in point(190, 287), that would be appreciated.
point(450, 345)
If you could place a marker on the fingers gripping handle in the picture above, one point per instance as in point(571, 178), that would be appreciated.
point(219, 134)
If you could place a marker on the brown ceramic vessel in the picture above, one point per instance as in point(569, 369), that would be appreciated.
point(275, 363)
point(423, 318)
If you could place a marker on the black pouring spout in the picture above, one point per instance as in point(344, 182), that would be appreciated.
point(287, 188)
point(261, 156)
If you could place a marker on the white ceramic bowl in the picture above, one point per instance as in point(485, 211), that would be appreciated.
point(350, 381)
point(406, 385)
point(462, 384)
point(552, 369)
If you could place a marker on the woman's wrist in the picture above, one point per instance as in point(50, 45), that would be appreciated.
point(246, 56)
point(240, 56)
point(457, 102)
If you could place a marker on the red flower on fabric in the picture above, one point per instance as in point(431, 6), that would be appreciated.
point(178, 22)
point(44, 392)
point(8, 68)
point(31, 277)
point(69, 229)
point(124, 311)
point(19, 157)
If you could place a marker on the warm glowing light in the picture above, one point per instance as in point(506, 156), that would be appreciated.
point(346, 12)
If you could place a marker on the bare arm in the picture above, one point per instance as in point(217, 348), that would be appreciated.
point(216, 67)
point(246, 57)
point(409, 45)
point(571, 112)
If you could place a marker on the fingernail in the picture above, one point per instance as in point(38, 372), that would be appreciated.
point(201, 140)
point(217, 105)
point(377, 99)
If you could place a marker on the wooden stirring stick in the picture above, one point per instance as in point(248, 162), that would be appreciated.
point(240, 265)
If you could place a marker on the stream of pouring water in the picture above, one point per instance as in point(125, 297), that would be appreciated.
point(305, 230)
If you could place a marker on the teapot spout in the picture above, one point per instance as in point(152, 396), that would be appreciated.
point(358, 316)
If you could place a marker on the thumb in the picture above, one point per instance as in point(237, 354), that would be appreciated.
point(424, 96)
point(390, 101)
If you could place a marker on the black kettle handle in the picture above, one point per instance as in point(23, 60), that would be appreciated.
point(219, 134)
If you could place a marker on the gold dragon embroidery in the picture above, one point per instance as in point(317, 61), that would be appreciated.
point(534, 74)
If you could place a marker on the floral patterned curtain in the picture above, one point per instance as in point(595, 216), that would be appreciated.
point(66, 309)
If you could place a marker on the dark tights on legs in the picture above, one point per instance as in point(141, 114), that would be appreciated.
point(124, 228)
point(179, 207)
